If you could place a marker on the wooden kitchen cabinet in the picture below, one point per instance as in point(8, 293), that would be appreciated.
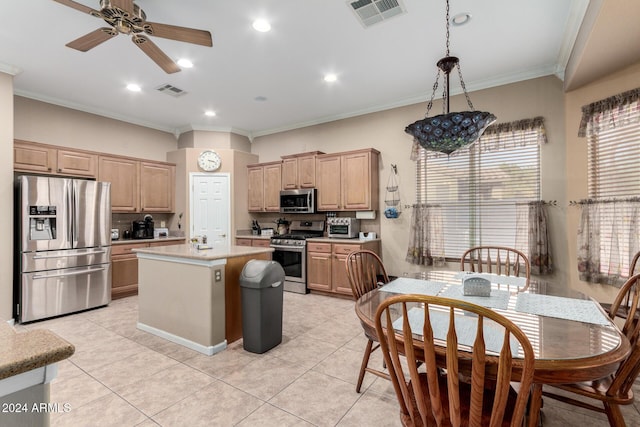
point(299, 170)
point(42, 158)
point(348, 181)
point(124, 266)
point(319, 266)
point(256, 242)
point(157, 187)
point(265, 182)
point(326, 270)
point(124, 176)
point(138, 186)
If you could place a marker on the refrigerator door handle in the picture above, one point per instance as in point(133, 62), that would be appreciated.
point(72, 273)
point(68, 255)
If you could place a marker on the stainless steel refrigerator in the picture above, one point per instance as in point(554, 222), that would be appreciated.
point(64, 246)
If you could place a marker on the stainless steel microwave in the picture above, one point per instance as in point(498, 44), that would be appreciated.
point(298, 201)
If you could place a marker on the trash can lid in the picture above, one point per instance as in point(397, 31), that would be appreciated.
point(261, 274)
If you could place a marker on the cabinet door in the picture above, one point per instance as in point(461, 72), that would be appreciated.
point(339, 279)
point(256, 189)
point(124, 276)
point(307, 172)
point(328, 180)
point(77, 163)
point(289, 174)
point(319, 271)
point(123, 174)
point(356, 181)
point(157, 187)
point(33, 158)
point(272, 185)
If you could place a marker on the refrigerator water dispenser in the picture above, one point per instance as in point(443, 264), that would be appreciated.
point(42, 222)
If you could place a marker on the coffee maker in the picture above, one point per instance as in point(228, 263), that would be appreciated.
point(143, 229)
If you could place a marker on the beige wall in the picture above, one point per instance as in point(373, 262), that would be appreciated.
point(384, 131)
point(576, 158)
point(6, 194)
point(214, 139)
point(233, 162)
point(51, 124)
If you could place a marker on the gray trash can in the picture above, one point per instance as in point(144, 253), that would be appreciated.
point(261, 285)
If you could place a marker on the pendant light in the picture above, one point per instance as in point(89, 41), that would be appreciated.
point(448, 132)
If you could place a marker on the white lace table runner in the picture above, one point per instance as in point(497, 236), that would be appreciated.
point(465, 329)
point(498, 299)
point(562, 308)
point(496, 278)
point(406, 285)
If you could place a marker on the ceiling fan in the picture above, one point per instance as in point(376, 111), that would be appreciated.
point(126, 17)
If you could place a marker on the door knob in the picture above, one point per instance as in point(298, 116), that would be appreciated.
point(223, 235)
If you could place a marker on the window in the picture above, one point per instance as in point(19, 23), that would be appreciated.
point(480, 189)
point(613, 138)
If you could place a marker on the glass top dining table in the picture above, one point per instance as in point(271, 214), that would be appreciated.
point(566, 350)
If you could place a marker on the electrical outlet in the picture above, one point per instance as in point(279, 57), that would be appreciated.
point(162, 224)
point(217, 275)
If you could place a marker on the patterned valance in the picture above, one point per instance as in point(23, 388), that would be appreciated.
point(537, 123)
point(594, 112)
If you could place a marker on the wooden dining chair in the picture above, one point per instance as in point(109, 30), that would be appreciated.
point(497, 260)
point(366, 272)
point(438, 397)
point(627, 299)
point(615, 389)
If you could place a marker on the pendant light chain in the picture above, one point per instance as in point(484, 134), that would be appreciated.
point(464, 88)
point(447, 25)
point(433, 94)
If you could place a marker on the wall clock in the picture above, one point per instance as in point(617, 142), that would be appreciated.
point(209, 160)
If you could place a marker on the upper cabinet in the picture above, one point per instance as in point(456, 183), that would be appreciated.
point(265, 182)
point(299, 170)
point(157, 187)
point(139, 186)
point(348, 181)
point(41, 158)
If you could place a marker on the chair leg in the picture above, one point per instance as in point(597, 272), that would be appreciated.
point(535, 403)
point(614, 415)
point(365, 362)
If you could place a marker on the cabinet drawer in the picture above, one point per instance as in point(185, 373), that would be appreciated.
point(243, 242)
point(167, 243)
point(341, 249)
point(263, 243)
point(126, 249)
point(319, 247)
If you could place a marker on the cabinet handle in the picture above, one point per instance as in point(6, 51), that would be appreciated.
point(49, 169)
point(59, 170)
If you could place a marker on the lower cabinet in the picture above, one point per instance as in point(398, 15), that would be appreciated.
point(248, 241)
point(326, 269)
point(124, 267)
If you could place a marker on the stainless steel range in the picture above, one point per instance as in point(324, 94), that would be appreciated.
point(290, 250)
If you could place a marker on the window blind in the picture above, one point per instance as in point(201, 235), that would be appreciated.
point(614, 180)
point(478, 188)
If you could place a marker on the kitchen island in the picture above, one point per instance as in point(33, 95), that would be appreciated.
point(192, 297)
point(27, 366)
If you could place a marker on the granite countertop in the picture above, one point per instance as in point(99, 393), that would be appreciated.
point(159, 239)
point(187, 251)
point(338, 240)
point(24, 351)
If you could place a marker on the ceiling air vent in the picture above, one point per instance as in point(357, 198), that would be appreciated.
point(371, 12)
point(170, 90)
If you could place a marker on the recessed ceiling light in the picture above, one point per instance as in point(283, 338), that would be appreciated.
point(261, 25)
point(134, 87)
point(260, 98)
point(210, 113)
point(461, 19)
point(330, 78)
point(185, 63)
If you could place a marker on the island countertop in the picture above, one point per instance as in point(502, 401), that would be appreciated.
point(24, 351)
point(187, 251)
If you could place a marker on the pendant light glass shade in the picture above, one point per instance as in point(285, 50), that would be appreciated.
point(448, 132)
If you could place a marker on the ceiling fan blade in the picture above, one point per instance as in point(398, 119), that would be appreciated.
point(181, 34)
point(126, 5)
point(154, 52)
point(93, 39)
point(78, 6)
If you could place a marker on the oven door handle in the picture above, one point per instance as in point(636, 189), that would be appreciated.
point(289, 248)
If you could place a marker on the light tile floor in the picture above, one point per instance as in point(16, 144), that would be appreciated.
point(120, 376)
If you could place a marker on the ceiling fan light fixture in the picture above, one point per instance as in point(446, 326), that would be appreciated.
point(132, 87)
point(449, 131)
point(185, 63)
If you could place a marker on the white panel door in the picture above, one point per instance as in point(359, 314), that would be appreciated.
point(210, 208)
